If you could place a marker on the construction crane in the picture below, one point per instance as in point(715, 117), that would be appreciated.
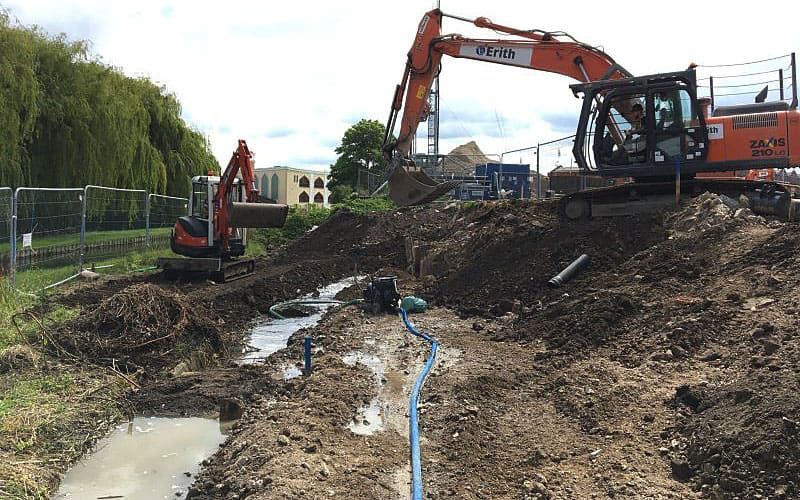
point(677, 132)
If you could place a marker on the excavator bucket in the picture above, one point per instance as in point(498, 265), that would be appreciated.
point(257, 214)
point(409, 185)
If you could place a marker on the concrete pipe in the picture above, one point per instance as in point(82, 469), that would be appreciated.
point(257, 214)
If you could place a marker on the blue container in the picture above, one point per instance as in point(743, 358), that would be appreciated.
point(515, 177)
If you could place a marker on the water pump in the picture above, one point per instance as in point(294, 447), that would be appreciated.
point(381, 295)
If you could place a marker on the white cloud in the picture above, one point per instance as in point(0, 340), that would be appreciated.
point(290, 77)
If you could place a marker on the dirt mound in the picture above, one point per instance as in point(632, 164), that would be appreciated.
point(742, 439)
point(142, 323)
point(507, 251)
point(462, 160)
point(708, 211)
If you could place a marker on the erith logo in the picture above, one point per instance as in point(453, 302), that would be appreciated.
point(495, 52)
point(515, 55)
point(716, 131)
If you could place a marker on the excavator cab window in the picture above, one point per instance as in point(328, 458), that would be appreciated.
point(200, 199)
point(625, 138)
point(675, 126)
point(642, 126)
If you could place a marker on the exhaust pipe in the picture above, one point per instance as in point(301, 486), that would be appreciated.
point(569, 272)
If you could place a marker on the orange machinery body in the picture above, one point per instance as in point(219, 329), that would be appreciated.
point(752, 137)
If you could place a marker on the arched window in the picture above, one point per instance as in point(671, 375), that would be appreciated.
point(303, 197)
point(304, 182)
point(274, 192)
point(264, 185)
point(318, 198)
point(318, 183)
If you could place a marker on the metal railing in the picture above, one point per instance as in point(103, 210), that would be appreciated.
point(56, 231)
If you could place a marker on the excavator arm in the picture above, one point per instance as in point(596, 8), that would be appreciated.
point(532, 49)
point(230, 213)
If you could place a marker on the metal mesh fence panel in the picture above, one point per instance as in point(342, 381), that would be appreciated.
point(47, 236)
point(368, 182)
point(114, 223)
point(6, 209)
point(163, 211)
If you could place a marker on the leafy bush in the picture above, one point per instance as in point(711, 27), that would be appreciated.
point(298, 221)
point(365, 205)
point(301, 219)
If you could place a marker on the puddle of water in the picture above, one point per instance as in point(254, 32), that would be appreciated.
point(371, 361)
point(151, 461)
point(270, 335)
point(369, 420)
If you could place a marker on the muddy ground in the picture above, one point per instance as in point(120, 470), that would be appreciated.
point(667, 369)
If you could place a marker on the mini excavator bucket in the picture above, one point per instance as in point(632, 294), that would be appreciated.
point(410, 185)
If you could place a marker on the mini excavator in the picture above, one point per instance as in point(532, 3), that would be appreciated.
point(212, 237)
point(679, 137)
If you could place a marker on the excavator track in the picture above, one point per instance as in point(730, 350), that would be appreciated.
point(765, 198)
point(215, 269)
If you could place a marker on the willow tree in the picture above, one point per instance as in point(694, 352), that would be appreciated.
point(67, 120)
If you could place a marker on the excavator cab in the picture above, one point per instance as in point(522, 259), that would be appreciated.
point(194, 234)
point(669, 132)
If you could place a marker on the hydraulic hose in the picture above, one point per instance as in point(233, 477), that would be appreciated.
point(413, 434)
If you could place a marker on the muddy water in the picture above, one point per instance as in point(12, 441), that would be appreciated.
point(149, 458)
point(369, 419)
point(270, 335)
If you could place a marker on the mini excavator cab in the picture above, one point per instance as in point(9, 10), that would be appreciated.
point(201, 210)
point(614, 141)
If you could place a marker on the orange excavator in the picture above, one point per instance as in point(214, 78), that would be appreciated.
point(678, 137)
point(212, 235)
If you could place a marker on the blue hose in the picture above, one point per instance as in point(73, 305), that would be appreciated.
point(413, 434)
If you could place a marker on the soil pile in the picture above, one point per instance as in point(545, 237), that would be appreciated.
point(742, 439)
point(143, 324)
point(708, 211)
point(501, 253)
point(462, 160)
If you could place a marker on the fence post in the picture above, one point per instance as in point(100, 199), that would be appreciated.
point(83, 227)
point(147, 221)
point(12, 263)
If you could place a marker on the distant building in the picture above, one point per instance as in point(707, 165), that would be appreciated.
point(293, 186)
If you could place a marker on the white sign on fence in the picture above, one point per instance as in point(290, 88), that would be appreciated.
point(27, 239)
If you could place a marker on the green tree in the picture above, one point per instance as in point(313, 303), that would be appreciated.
point(360, 150)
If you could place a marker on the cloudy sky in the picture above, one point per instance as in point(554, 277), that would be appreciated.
point(291, 77)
